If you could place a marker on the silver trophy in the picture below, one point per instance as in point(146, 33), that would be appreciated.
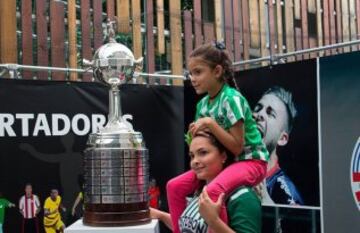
point(116, 171)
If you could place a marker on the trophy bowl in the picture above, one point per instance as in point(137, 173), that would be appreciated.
point(114, 64)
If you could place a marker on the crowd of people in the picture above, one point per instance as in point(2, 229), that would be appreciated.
point(29, 207)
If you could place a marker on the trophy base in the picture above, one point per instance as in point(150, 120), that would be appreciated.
point(98, 215)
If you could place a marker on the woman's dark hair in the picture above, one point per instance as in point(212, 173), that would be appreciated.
point(215, 142)
point(215, 54)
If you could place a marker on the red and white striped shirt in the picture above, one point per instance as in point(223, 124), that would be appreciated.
point(29, 205)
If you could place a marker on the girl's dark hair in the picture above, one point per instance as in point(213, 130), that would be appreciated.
point(215, 54)
point(215, 142)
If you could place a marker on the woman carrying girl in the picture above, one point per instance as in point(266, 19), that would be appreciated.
point(226, 114)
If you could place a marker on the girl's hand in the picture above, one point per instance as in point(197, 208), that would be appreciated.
point(201, 124)
point(208, 209)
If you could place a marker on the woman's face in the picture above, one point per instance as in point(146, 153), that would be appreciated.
point(205, 159)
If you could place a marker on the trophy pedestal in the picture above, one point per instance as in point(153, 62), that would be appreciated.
point(119, 215)
point(79, 227)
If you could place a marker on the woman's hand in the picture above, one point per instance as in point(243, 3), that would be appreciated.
point(265, 196)
point(162, 216)
point(259, 190)
point(202, 124)
point(155, 213)
point(208, 209)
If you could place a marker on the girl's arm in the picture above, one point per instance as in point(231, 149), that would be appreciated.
point(232, 140)
point(162, 216)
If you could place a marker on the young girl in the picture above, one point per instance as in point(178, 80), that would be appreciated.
point(227, 115)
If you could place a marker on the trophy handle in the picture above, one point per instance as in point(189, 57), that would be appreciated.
point(87, 63)
point(125, 119)
point(138, 64)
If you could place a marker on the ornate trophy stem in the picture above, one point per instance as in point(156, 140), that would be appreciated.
point(115, 121)
point(114, 108)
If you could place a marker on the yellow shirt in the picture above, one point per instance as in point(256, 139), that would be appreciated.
point(52, 206)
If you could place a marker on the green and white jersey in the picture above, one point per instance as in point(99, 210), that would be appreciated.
point(243, 208)
point(191, 221)
point(229, 107)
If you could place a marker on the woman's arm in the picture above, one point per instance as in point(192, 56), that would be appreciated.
point(218, 226)
point(162, 216)
point(233, 140)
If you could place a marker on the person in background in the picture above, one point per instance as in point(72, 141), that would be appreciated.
point(154, 194)
point(52, 216)
point(29, 206)
point(4, 203)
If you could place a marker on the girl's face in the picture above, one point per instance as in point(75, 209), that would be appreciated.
point(205, 159)
point(204, 78)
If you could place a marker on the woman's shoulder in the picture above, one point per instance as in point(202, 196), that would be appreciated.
point(242, 198)
point(244, 211)
point(241, 193)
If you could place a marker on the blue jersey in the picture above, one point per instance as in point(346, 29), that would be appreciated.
point(282, 190)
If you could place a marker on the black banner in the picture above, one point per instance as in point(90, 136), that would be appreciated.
point(44, 127)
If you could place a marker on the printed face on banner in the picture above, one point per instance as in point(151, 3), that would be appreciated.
point(271, 118)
